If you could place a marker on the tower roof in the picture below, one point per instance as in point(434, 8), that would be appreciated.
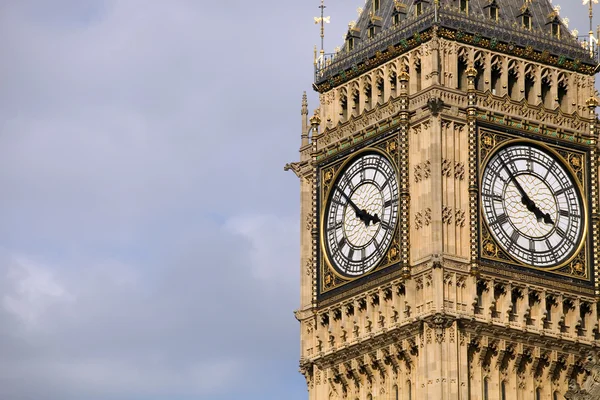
point(399, 25)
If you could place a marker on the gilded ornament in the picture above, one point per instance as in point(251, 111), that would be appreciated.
point(488, 141)
point(575, 162)
point(328, 279)
point(392, 147)
point(393, 253)
point(490, 248)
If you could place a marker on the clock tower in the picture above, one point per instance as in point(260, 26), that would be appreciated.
point(450, 208)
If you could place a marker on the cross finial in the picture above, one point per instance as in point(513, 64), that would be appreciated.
point(593, 39)
point(322, 20)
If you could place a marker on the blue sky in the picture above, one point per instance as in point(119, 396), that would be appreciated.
point(149, 238)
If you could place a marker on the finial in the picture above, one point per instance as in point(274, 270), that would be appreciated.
point(592, 103)
point(322, 20)
point(593, 40)
point(471, 72)
point(315, 120)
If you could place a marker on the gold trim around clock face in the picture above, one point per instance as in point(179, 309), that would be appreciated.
point(491, 146)
point(329, 176)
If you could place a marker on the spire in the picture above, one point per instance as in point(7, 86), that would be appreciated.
point(322, 20)
point(304, 113)
point(593, 40)
point(304, 104)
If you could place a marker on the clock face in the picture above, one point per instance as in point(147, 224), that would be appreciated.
point(361, 214)
point(532, 206)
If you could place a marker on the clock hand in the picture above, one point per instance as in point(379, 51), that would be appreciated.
point(360, 214)
point(530, 204)
point(540, 215)
point(524, 198)
point(363, 215)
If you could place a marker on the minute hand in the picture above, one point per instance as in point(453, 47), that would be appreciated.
point(539, 215)
point(524, 198)
point(363, 215)
point(359, 212)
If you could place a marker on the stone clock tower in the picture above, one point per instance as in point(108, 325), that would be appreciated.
point(449, 207)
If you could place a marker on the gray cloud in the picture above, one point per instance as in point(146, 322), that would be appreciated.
point(149, 236)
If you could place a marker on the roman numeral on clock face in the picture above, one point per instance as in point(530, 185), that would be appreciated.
point(562, 190)
point(501, 219)
point(515, 237)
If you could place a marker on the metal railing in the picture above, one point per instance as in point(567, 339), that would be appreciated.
point(330, 64)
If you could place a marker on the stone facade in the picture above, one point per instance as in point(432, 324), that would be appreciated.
point(439, 321)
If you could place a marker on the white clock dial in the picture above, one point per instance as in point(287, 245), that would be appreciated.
point(532, 206)
point(361, 214)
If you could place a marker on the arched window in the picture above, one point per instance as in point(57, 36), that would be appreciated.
point(513, 81)
point(486, 389)
point(556, 396)
point(462, 75)
point(526, 19)
point(396, 393)
point(496, 78)
point(493, 7)
point(376, 4)
point(563, 99)
point(529, 85)
point(538, 394)
point(408, 390)
point(479, 78)
point(503, 391)
point(546, 92)
point(418, 7)
point(418, 75)
point(399, 13)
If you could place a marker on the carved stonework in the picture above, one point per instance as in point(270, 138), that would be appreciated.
point(422, 218)
point(439, 323)
point(309, 267)
point(447, 215)
point(422, 171)
point(309, 221)
point(435, 106)
point(446, 168)
point(459, 218)
point(590, 389)
point(459, 171)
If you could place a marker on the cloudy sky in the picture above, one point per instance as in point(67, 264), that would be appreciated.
point(149, 235)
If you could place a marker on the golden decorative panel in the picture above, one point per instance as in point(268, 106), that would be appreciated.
point(329, 278)
point(574, 160)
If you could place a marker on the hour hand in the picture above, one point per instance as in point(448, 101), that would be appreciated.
point(542, 216)
point(539, 214)
point(374, 218)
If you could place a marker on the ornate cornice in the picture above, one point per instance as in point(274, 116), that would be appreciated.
point(341, 68)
